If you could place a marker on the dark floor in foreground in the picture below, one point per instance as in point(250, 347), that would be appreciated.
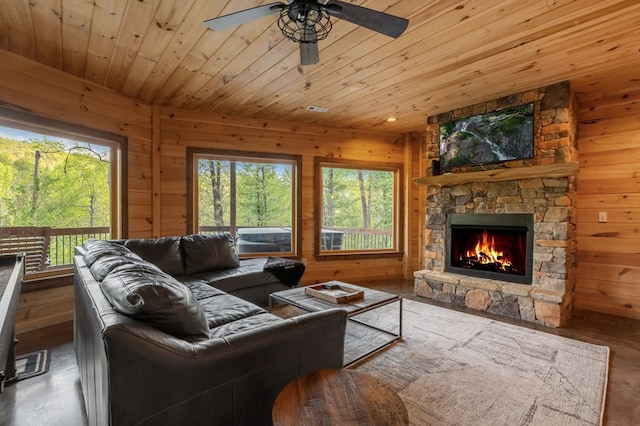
point(55, 398)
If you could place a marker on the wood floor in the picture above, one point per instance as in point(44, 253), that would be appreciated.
point(55, 397)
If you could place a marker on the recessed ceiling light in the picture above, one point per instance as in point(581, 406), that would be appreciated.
point(392, 119)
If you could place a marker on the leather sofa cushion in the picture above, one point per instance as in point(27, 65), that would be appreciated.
point(105, 264)
point(95, 249)
point(162, 252)
point(200, 289)
point(250, 273)
point(204, 253)
point(226, 309)
point(143, 293)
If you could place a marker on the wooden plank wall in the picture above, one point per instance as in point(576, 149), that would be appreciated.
point(415, 205)
point(181, 129)
point(608, 270)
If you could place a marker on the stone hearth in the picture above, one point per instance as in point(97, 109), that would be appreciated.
point(548, 300)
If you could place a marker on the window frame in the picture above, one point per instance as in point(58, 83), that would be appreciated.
point(398, 221)
point(195, 154)
point(118, 146)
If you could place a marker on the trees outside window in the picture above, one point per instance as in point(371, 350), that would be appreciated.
point(254, 198)
point(358, 206)
point(53, 182)
point(60, 182)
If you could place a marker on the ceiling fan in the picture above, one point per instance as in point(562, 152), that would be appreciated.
point(308, 21)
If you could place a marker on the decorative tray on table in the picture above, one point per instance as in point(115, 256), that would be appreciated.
point(334, 291)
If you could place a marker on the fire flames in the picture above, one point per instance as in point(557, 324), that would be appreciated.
point(485, 253)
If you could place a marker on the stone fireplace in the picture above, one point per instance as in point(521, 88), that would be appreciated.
point(518, 218)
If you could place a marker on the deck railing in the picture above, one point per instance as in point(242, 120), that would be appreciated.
point(365, 239)
point(49, 248)
point(333, 238)
point(64, 241)
point(46, 247)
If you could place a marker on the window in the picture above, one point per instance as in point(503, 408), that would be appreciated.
point(358, 208)
point(61, 185)
point(251, 196)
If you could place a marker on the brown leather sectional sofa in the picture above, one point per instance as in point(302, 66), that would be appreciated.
point(156, 348)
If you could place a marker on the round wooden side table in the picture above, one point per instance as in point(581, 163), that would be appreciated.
point(338, 397)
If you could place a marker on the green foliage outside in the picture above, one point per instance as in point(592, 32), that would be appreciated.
point(358, 199)
point(45, 183)
point(362, 199)
point(264, 195)
point(48, 183)
point(263, 191)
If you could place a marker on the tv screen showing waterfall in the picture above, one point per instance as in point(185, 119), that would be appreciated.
point(496, 136)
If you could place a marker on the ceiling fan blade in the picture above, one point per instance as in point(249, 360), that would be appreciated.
point(381, 22)
point(234, 19)
point(309, 54)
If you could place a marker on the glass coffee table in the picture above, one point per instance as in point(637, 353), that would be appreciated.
point(373, 312)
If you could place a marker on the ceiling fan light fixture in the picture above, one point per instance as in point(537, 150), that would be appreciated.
point(308, 21)
point(304, 22)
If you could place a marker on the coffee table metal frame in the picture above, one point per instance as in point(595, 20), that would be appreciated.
point(373, 299)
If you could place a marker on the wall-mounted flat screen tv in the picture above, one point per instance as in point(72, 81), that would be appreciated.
point(496, 136)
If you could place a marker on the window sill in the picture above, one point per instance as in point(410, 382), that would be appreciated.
point(43, 282)
point(361, 255)
point(247, 256)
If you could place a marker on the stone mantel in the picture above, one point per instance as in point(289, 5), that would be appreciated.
point(556, 170)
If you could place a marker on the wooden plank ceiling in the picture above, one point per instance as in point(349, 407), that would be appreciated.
point(454, 53)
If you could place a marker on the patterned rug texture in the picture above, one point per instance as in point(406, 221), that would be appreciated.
point(453, 368)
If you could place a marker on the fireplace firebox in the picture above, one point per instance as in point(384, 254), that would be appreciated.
point(494, 246)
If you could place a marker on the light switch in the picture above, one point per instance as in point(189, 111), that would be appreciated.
point(602, 217)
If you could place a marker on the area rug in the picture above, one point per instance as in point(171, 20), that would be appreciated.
point(32, 364)
point(453, 368)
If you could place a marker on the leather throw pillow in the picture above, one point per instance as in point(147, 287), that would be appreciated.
point(203, 253)
point(95, 249)
point(148, 295)
point(105, 264)
point(163, 252)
